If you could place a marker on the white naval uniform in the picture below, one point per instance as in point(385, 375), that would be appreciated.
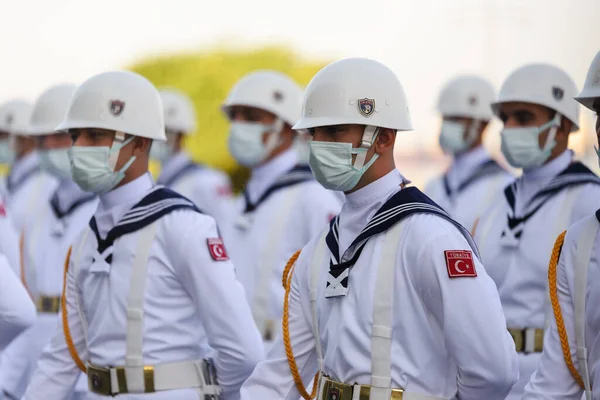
point(208, 188)
point(448, 335)
point(9, 239)
point(191, 299)
point(516, 234)
point(54, 227)
point(24, 187)
point(283, 208)
point(580, 253)
point(472, 183)
point(17, 312)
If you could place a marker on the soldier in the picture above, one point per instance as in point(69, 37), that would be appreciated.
point(383, 303)
point(149, 292)
point(474, 179)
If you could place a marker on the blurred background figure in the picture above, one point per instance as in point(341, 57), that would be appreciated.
point(282, 205)
point(54, 226)
point(474, 178)
point(26, 184)
point(16, 309)
point(515, 235)
point(207, 187)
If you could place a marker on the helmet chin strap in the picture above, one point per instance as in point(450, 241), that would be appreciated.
point(553, 130)
point(114, 155)
point(274, 138)
point(367, 141)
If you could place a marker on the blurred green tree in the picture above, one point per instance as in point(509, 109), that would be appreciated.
point(207, 77)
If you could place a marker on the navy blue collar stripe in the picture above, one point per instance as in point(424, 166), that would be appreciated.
point(292, 177)
point(485, 169)
point(12, 185)
point(157, 203)
point(186, 168)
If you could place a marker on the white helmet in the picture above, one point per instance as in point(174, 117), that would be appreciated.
point(467, 96)
point(14, 117)
point(179, 112)
point(355, 91)
point(541, 84)
point(268, 90)
point(120, 101)
point(50, 109)
point(591, 87)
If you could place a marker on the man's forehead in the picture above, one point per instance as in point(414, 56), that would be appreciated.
point(512, 107)
point(91, 130)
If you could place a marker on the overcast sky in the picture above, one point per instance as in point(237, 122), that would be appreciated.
point(424, 41)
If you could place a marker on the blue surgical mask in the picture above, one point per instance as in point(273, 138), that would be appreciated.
point(91, 169)
point(246, 145)
point(331, 164)
point(56, 162)
point(161, 151)
point(520, 146)
point(452, 137)
point(7, 155)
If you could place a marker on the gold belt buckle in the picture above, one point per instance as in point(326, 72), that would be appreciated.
point(518, 338)
point(539, 340)
point(99, 380)
point(48, 304)
point(333, 390)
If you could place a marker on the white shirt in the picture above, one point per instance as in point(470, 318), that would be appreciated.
point(519, 266)
point(9, 239)
point(552, 380)
point(463, 192)
point(45, 246)
point(208, 188)
point(436, 349)
point(24, 187)
point(17, 312)
point(266, 238)
point(191, 302)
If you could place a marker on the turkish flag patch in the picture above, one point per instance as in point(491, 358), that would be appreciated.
point(217, 249)
point(2, 210)
point(460, 264)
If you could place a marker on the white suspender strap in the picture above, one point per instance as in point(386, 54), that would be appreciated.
point(315, 266)
point(367, 142)
point(78, 252)
point(134, 359)
point(561, 223)
point(268, 259)
point(585, 243)
point(381, 336)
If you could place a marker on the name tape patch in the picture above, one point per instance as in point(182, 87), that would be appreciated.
point(216, 249)
point(460, 264)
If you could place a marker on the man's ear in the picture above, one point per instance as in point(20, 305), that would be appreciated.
point(141, 146)
point(385, 140)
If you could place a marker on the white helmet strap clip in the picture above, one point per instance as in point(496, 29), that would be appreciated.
point(369, 135)
point(114, 155)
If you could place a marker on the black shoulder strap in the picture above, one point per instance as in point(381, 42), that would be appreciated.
point(486, 169)
point(60, 213)
point(296, 175)
point(156, 204)
point(186, 168)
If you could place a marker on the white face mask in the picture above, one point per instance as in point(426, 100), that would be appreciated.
point(452, 137)
point(7, 155)
point(161, 151)
point(93, 166)
point(521, 148)
point(246, 141)
point(331, 163)
point(56, 162)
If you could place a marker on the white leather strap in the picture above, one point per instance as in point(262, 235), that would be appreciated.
point(268, 259)
point(134, 355)
point(113, 157)
point(367, 142)
point(76, 258)
point(315, 266)
point(381, 335)
point(561, 222)
point(529, 340)
point(585, 244)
